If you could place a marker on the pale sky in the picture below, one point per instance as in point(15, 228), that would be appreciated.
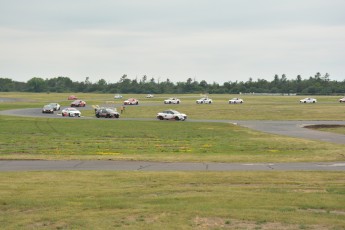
point(211, 40)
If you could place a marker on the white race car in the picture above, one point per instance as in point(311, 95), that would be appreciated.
point(171, 115)
point(131, 101)
point(204, 100)
point(172, 100)
point(235, 101)
point(55, 106)
point(71, 112)
point(342, 100)
point(308, 100)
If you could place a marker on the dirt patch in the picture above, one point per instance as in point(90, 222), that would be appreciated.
point(323, 126)
point(221, 223)
point(335, 212)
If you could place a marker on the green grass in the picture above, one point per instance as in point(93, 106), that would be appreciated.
point(42, 138)
point(172, 200)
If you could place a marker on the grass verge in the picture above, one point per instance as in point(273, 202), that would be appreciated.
point(42, 138)
point(172, 200)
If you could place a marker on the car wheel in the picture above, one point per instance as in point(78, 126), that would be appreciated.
point(177, 118)
point(97, 115)
point(160, 118)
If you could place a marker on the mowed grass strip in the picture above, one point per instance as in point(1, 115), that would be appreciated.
point(172, 200)
point(42, 138)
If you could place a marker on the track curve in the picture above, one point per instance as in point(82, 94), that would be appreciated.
point(286, 128)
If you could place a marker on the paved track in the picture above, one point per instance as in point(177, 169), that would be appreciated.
point(296, 129)
point(77, 165)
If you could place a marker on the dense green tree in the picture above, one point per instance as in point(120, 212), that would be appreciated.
point(36, 85)
point(317, 84)
point(6, 85)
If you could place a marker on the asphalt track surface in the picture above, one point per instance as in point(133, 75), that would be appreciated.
point(77, 165)
point(286, 128)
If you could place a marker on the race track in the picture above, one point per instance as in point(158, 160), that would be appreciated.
point(78, 165)
point(286, 128)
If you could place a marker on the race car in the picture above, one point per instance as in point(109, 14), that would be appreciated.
point(47, 109)
point(308, 100)
point(204, 100)
point(171, 115)
point(235, 101)
point(107, 113)
point(131, 101)
point(78, 103)
point(172, 100)
point(70, 112)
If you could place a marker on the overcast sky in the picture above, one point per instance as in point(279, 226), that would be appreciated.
point(211, 40)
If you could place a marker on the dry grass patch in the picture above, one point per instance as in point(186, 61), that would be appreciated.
point(203, 223)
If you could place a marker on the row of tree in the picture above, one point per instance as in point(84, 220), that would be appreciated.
point(314, 85)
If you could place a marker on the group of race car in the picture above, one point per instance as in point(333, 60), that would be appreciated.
point(69, 111)
point(164, 115)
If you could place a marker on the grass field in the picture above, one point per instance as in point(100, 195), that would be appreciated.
point(41, 138)
point(170, 200)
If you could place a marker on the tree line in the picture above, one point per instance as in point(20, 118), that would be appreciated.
point(314, 85)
